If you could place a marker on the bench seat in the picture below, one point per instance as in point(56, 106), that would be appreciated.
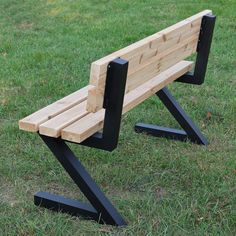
point(69, 118)
point(31, 123)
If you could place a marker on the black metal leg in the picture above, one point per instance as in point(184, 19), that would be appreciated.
point(100, 209)
point(59, 203)
point(191, 131)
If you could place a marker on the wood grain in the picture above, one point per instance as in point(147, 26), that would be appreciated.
point(31, 123)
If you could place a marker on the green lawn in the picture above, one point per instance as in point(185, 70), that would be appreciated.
point(161, 187)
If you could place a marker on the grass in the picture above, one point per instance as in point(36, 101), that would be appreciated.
point(161, 187)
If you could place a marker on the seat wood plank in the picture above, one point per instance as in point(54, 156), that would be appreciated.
point(143, 53)
point(31, 123)
point(54, 126)
point(93, 122)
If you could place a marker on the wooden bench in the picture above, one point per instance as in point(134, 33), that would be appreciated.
point(120, 81)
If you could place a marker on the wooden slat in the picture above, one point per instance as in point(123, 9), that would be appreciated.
point(84, 128)
point(54, 126)
point(171, 57)
point(149, 88)
point(143, 53)
point(93, 122)
point(31, 123)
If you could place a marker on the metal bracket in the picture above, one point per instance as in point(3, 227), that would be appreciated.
point(113, 104)
point(203, 50)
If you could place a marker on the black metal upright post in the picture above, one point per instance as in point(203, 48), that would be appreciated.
point(113, 104)
point(203, 50)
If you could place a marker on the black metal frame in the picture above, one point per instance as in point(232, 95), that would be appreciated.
point(100, 208)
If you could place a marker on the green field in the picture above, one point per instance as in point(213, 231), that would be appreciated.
point(161, 187)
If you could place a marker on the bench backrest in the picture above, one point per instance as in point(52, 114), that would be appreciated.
point(147, 57)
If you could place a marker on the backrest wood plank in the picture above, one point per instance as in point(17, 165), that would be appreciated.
point(144, 54)
point(162, 63)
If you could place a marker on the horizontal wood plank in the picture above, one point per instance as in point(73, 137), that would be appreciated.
point(54, 126)
point(31, 123)
point(93, 122)
point(143, 53)
point(170, 58)
point(144, 91)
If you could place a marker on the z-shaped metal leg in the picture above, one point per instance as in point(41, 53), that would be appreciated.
point(100, 209)
point(190, 130)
